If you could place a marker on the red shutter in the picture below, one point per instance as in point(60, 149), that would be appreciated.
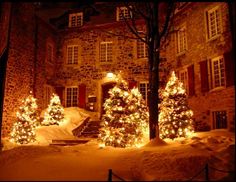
point(59, 92)
point(191, 83)
point(82, 96)
point(132, 84)
point(229, 68)
point(204, 76)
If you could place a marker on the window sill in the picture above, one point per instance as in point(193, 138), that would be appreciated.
point(142, 59)
point(217, 89)
point(181, 53)
point(214, 38)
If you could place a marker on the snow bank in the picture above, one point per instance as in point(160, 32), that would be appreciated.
point(74, 117)
point(175, 160)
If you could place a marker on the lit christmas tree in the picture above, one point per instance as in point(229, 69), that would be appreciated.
point(175, 117)
point(23, 130)
point(55, 112)
point(126, 117)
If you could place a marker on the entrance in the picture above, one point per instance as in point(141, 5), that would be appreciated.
point(105, 88)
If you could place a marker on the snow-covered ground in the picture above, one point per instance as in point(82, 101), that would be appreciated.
point(175, 160)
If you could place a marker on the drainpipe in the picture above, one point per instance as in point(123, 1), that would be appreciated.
point(3, 74)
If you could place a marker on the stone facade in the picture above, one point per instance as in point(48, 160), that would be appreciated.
point(200, 48)
point(26, 67)
point(29, 67)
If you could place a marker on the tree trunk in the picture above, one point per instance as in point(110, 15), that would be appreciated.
point(154, 58)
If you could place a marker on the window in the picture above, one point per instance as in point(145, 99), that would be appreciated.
point(218, 72)
point(143, 88)
point(50, 53)
point(213, 22)
point(48, 90)
point(105, 52)
point(183, 77)
point(219, 119)
point(72, 54)
point(181, 40)
point(76, 20)
point(142, 51)
point(71, 96)
point(123, 12)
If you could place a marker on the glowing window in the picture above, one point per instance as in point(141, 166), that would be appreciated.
point(72, 54)
point(76, 20)
point(105, 52)
point(123, 12)
point(143, 88)
point(71, 96)
point(213, 22)
point(218, 72)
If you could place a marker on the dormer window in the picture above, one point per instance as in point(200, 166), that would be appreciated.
point(76, 20)
point(123, 12)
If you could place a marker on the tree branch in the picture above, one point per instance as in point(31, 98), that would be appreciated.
point(132, 29)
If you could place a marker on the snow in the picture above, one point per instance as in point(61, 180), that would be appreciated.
point(170, 160)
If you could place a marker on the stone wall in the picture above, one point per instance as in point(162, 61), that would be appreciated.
point(19, 73)
point(27, 67)
point(200, 49)
point(45, 69)
point(89, 70)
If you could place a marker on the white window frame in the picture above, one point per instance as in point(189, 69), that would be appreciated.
point(48, 90)
point(73, 98)
point(104, 56)
point(218, 72)
point(183, 77)
point(126, 13)
point(78, 19)
point(50, 54)
point(214, 25)
point(181, 40)
point(73, 60)
point(144, 49)
point(145, 91)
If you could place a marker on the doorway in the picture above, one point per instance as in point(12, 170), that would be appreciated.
point(105, 88)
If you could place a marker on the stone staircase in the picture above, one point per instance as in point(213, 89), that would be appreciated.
point(68, 142)
point(87, 130)
point(91, 129)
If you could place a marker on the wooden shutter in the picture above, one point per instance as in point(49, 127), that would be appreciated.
point(132, 84)
point(59, 92)
point(204, 76)
point(82, 96)
point(229, 68)
point(191, 83)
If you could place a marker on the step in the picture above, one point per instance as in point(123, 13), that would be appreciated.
point(69, 141)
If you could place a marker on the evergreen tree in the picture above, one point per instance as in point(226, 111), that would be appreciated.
point(55, 112)
point(175, 117)
point(23, 130)
point(125, 118)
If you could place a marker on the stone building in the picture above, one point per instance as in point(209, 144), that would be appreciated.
point(78, 54)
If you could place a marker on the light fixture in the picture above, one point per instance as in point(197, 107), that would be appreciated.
point(110, 75)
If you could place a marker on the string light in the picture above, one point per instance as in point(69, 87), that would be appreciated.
point(125, 122)
point(175, 117)
point(23, 130)
point(55, 111)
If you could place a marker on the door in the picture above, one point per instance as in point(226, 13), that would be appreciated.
point(105, 88)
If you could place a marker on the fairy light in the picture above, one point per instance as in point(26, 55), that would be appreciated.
point(126, 119)
point(55, 111)
point(23, 130)
point(175, 117)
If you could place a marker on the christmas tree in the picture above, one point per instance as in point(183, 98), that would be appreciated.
point(175, 117)
point(55, 112)
point(125, 118)
point(23, 130)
